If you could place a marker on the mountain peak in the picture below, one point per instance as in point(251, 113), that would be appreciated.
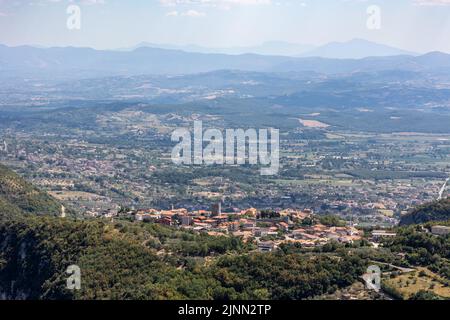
point(355, 49)
point(437, 54)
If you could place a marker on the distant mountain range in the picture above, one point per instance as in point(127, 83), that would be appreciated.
point(275, 48)
point(75, 63)
point(355, 49)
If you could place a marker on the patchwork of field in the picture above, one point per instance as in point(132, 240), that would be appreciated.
point(75, 195)
point(313, 124)
point(331, 182)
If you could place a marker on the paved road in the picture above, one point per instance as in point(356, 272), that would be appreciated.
point(401, 269)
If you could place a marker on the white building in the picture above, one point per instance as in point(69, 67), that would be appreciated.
point(440, 230)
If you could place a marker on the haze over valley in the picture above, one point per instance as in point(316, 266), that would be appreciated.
point(173, 150)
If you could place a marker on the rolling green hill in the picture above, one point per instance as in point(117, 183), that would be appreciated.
point(20, 196)
point(434, 211)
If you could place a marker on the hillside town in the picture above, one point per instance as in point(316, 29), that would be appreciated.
point(269, 228)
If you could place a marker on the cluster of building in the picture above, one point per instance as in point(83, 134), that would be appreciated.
point(269, 229)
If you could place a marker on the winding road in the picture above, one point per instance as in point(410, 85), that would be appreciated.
point(441, 192)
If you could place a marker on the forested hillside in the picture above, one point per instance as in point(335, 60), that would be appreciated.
point(435, 211)
point(17, 195)
point(122, 259)
point(126, 260)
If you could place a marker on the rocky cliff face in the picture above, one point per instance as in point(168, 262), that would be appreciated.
point(29, 264)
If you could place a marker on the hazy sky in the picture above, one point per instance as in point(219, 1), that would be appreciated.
point(417, 25)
